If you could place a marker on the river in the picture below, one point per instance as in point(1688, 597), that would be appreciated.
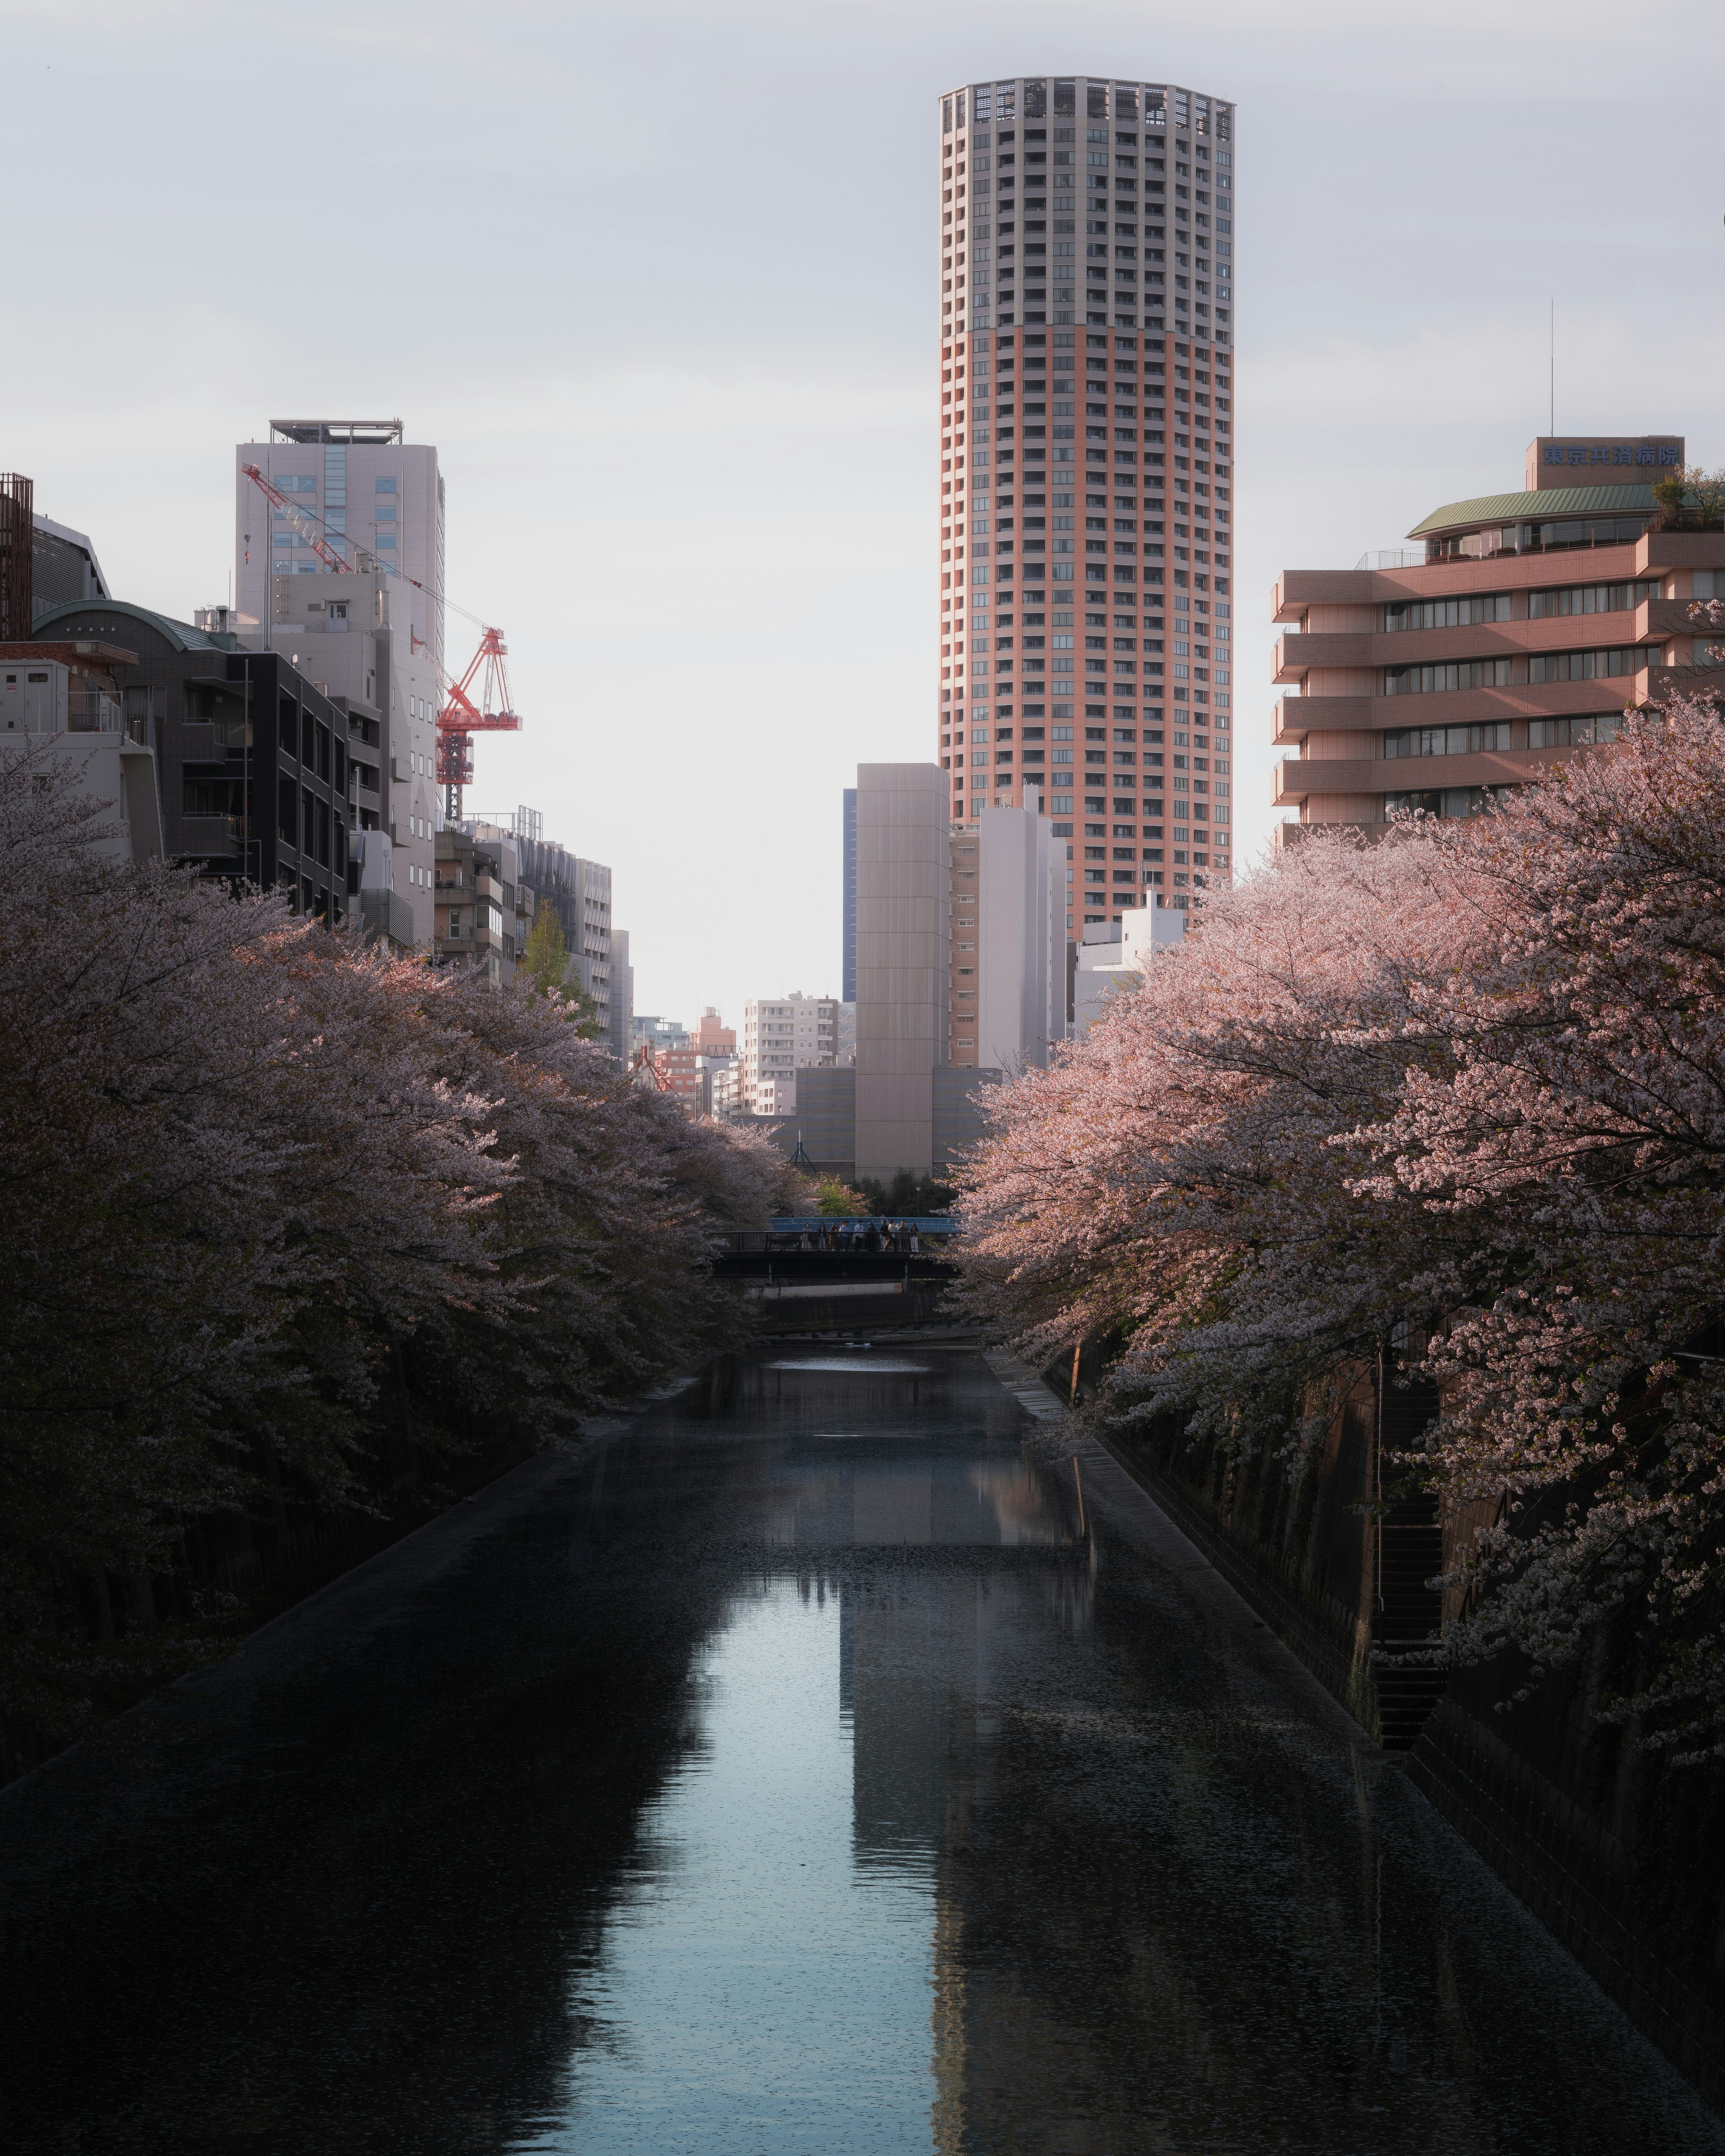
point(819, 1766)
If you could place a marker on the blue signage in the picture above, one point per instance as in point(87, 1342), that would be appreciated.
point(1611, 453)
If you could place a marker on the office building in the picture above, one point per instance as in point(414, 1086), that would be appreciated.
point(657, 1033)
point(252, 758)
point(1518, 628)
point(780, 1037)
point(847, 900)
point(619, 1031)
point(352, 635)
point(485, 906)
point(579, 891)
point(64, 566)
point(703, 1071)
point(368, 491)
point(903, 962)
point(65, 701)
point(43, 565)
point(712, 1036)
point(1008, 979)
point(1088, 419)
point(1113, 958)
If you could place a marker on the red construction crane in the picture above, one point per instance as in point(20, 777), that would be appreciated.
point(459, 717)
point(307, 527)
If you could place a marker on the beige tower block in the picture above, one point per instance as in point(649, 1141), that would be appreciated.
point(903, 961)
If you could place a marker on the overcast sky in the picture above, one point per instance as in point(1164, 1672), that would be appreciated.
point(661, 282)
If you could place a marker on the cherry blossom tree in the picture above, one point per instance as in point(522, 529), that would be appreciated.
point(1466, 1086)
point(264, 1193)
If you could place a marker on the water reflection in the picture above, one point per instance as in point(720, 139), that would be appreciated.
point(805, 1772)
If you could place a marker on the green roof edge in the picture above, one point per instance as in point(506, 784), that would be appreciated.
point(1550, 501)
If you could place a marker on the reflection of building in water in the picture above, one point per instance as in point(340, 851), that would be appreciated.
point(911, 1651)
point(947, 1571)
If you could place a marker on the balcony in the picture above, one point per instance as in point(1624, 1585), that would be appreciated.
point(1298, 779)
point(1295, 717)
point(89, 711)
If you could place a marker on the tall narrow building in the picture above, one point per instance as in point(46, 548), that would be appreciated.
point(368, 489)
point(1086, 320)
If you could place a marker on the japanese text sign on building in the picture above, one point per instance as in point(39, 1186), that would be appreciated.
point(1553, 461)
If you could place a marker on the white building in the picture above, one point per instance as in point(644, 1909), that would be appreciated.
point(353, 636)
point(1009, 974)
point(1115, 962)
point(82, 729)
point(779, 1038)
point(366, 490)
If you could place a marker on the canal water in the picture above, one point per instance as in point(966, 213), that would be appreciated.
point(819, 1767)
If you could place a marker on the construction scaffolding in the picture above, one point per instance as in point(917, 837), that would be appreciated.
point(18, 558)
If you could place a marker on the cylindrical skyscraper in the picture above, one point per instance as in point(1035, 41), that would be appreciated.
point(1086, 472)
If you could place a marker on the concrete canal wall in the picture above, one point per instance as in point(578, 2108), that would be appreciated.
point(1621, 1856)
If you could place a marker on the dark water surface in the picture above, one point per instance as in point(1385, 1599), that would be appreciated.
point(804, 1771)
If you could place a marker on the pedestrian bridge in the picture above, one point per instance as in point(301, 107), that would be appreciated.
point(823, 1276)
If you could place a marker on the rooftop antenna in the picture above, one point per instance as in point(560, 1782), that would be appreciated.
point(1553, 366)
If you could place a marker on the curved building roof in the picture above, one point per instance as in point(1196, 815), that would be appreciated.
point(1536, 508)
point(179, 635)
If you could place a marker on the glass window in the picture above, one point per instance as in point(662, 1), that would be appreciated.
point(1564, 733)
point(385, 486)
point(1591, 665)
point(1446, 741)
point(1464, 673)
point(1593, 599)
point(1447, 614)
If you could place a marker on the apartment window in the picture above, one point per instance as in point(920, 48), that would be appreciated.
point(1446, 801)
point(385, 486)
point(1567, 733)
point(1591, 665)
point(1593, 599)
point(1447, 613)
point(1435, 680)
point(1446, 741)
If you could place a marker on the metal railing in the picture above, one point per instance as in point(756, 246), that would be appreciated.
point(851, 1235)
point(92, 711)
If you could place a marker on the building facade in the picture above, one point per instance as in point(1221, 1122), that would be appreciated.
point(65, 702)
point(369, 491)
point(1087, 479)
point(252, 758)
point(780, 1037)
point(352, 635)
point(903, 962)
point(620, 1032)
point(579, 891)
point(1521, 629)
point(647, 1030)
point(847, 970)
point(1009, 975)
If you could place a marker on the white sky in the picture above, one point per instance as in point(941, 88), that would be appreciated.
point(661, 282)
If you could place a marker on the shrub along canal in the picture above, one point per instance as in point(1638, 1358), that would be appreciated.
point(820, 1764)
